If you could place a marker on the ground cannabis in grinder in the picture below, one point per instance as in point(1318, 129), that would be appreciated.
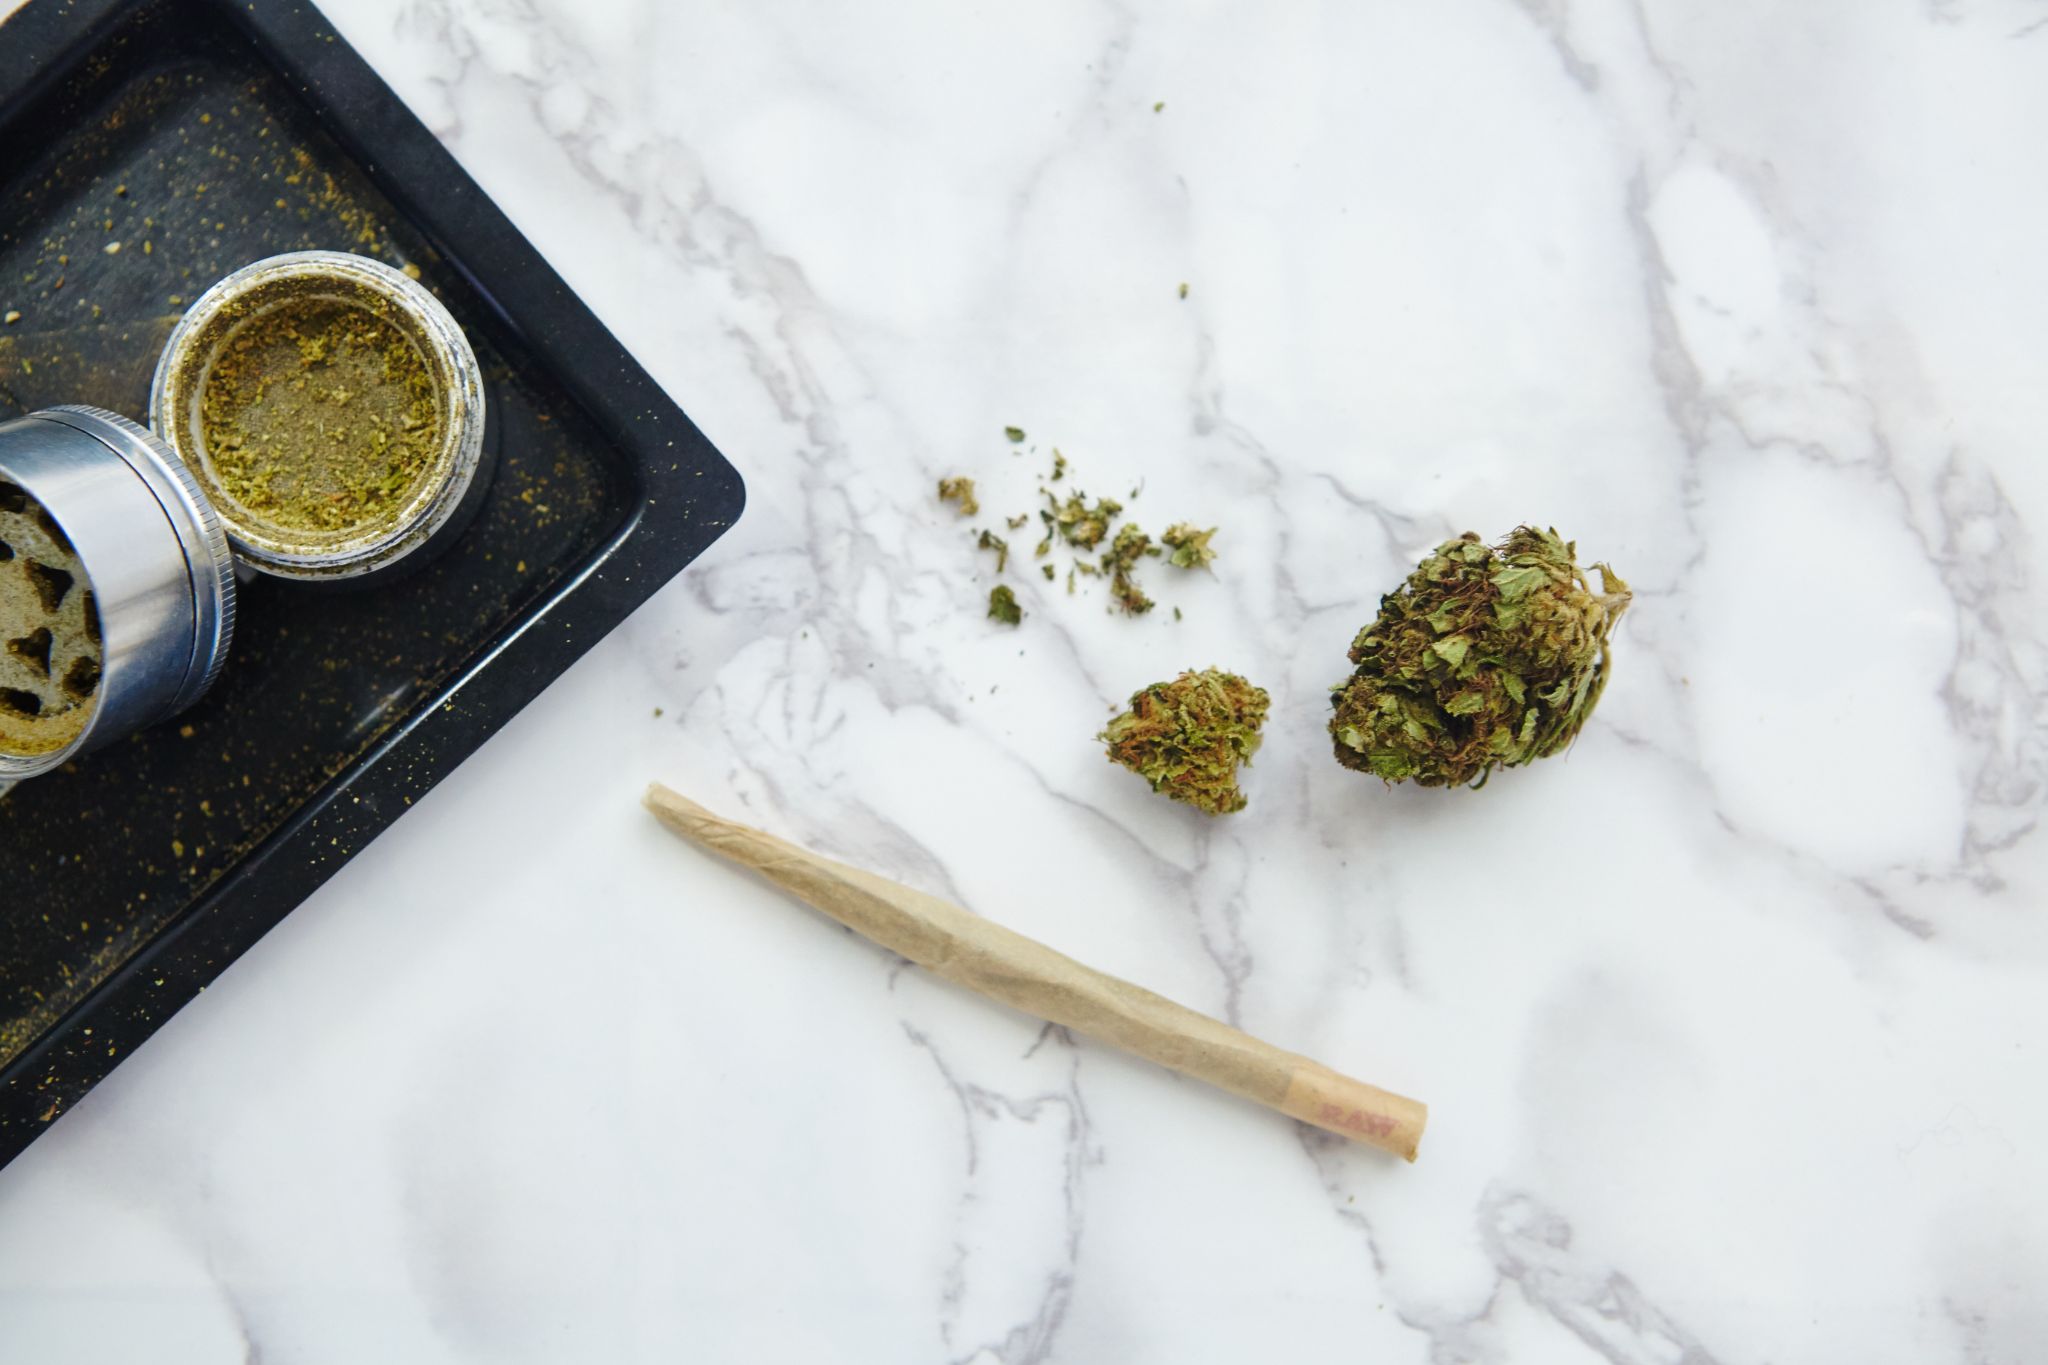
point(50, 667)
point(1187, 737)
point(319, 415)
point(1484, 658)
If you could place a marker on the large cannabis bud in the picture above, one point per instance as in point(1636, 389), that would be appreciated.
point(1187, 737)
point(1484, 658)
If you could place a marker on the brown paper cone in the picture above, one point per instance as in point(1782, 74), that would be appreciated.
point(1025, 974)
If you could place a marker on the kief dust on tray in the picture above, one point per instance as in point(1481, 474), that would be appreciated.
point(320, 415)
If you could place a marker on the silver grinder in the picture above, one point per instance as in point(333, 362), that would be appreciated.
point(117, 587)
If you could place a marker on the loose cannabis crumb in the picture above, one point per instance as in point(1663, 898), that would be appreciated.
point(1090, 530)
point(320, 416)
point(1176, 613)
point(1189, 736)
point(112, 248)
point(1080, 525)
point(1484, 658)
point(1002, 605)
point(13, 316)
point(1016, 434)
point(1190, 546)
point(411, 271)
point(1130, 545)
point(959, 491)
point(1183, 288)
point(1160, 108)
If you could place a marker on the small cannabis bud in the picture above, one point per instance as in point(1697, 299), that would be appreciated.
point(961, 491)
point(1130, 545)
point(1190, 546)
point(1080, 525)
point(1002, 605)
point(1484, 658)
point(991, 541)
point(1187, 737)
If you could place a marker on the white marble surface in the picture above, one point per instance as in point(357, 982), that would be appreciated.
point(1731, 1022)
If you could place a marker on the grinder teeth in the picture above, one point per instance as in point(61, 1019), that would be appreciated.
point(49, 630)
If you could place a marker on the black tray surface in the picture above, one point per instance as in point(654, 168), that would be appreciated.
point(200, 135)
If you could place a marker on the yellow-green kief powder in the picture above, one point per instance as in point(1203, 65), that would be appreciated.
point(319, 415)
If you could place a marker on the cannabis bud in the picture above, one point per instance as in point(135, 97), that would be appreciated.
point(1190, 546)
point(1002, 605)
point(1484, 658)
point(1080, 525)
point(991, 541)
point(1187, 737)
